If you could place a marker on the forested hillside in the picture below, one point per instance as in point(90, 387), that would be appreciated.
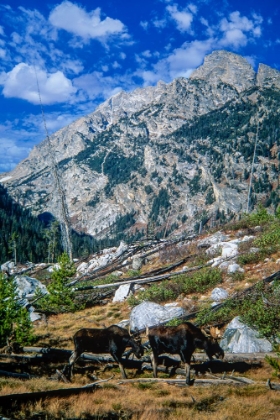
point(20, 232)
point(25, 237)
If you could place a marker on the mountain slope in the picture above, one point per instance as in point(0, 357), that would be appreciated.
point(170, 157)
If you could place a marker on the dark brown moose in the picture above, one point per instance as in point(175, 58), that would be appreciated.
point(113, 340)
point(183, 340)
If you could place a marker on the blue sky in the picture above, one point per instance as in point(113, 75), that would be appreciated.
point(84, 52)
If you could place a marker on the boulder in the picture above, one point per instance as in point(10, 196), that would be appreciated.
point(226, 249)
point(239, 338)
point(7, 266)
point(219, 294)
point(229, 249)
point(235, 268)
point(82, 267)
point(53, 267)
point(34, 316)
point(137, 263)
point(122, 293)
point(121, 249)
point(224, 265)
point(117, 273)
point(150, 314)
point(26, 286)
point(217, 238)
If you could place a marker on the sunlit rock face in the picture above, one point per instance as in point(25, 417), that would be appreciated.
point(169, 158)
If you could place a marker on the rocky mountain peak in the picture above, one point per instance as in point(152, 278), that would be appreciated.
point(226, 67)
point(268, 77)
point(171, 156)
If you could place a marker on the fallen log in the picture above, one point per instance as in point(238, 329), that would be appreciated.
point(213, 366)
point(243, 380)
point(150, 274)
point(63, 355)
point(150, 279)
point(33, 360)
point(118, 263)
point(273, 387)
point(196, 382)
point(7, 374)
point(7, 401)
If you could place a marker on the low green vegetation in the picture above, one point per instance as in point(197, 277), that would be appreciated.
point(198, 282)
point(268, 242)
point(275, 363)
point(260, 309)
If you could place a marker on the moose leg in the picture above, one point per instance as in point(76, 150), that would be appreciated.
point(187, 360)
point(118, 358)
point(188, 373)
point(122, 370)
point(154, 360)
point(74, 356)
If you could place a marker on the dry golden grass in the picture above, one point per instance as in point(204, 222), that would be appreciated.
point(162, 401)
point(59, 329)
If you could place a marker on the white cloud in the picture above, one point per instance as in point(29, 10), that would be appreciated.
point(144, 25)
point(180, 63)
point(183, 19)
point(73, 66)
point(147, 53)
point(76, 20)
point(193, 8)
point(55, 121)
point(184, 60)
point(11, 153)
point(16, 38)
point(232, 32)
point(2, 31)
point(235, 38)
point(21, 83)
point(18, 137)
point(239, 30)
point(96, 85)
point(160, 23)
point(2, 53)
point(116, 65)
point(251, 60)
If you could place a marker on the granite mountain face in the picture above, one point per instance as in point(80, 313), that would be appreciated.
point(166, 158)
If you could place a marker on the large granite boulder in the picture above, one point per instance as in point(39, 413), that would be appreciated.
point(151, 314)
point(122, 293)
point(239, 338)
point(219, 294)
point(26, 286)
point(7, 266)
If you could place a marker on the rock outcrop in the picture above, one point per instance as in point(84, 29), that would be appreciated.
point(173, 157)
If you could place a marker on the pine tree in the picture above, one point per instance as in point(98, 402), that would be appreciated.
point(15, 322)
point(61, 298)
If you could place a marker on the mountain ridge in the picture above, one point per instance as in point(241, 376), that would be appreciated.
point(129, 155)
